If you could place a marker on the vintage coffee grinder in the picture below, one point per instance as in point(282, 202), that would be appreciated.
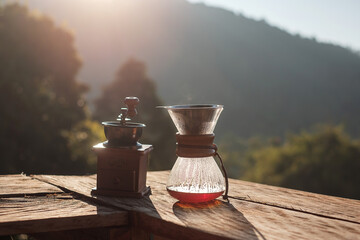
point(122, 161)
point(195, 176)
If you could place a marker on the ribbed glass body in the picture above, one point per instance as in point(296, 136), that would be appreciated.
point(195, 180)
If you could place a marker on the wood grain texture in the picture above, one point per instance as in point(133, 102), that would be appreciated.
point(54, 213)
point(19, 185)
point(162, 215)
point(318, 204)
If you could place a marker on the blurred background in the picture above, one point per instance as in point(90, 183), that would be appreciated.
point(287, 73)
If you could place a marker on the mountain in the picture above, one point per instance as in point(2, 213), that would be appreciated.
point(269, 81)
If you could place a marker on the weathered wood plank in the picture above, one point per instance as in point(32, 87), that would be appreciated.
point(317, 204)
point(245, 220)
point(19, 185)
point(161, 215)
point(77, 184)
point(158, 176)
point(54, 213)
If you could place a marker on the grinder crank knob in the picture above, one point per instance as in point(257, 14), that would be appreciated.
point(131, 103)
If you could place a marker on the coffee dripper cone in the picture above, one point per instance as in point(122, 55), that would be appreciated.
point(194, 119)
point(195, 176)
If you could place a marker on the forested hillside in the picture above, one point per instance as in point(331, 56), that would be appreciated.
point(270, 81)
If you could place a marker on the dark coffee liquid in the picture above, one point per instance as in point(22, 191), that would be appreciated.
point(194, 197)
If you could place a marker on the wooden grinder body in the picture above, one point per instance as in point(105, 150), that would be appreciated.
point(121, 171)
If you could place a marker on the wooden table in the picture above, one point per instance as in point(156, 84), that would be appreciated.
point(61, 207)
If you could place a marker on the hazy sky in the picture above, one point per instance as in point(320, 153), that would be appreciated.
point(336, 21)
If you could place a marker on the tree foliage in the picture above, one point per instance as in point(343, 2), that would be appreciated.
point(325, 161)
point(132, 80)
point(40, 99)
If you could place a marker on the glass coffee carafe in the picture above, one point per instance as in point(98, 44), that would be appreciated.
point(195, 176)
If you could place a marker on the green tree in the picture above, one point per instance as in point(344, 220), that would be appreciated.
point(132, 80)
point(326, 161)
point(234, 152)
point(40, 99)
